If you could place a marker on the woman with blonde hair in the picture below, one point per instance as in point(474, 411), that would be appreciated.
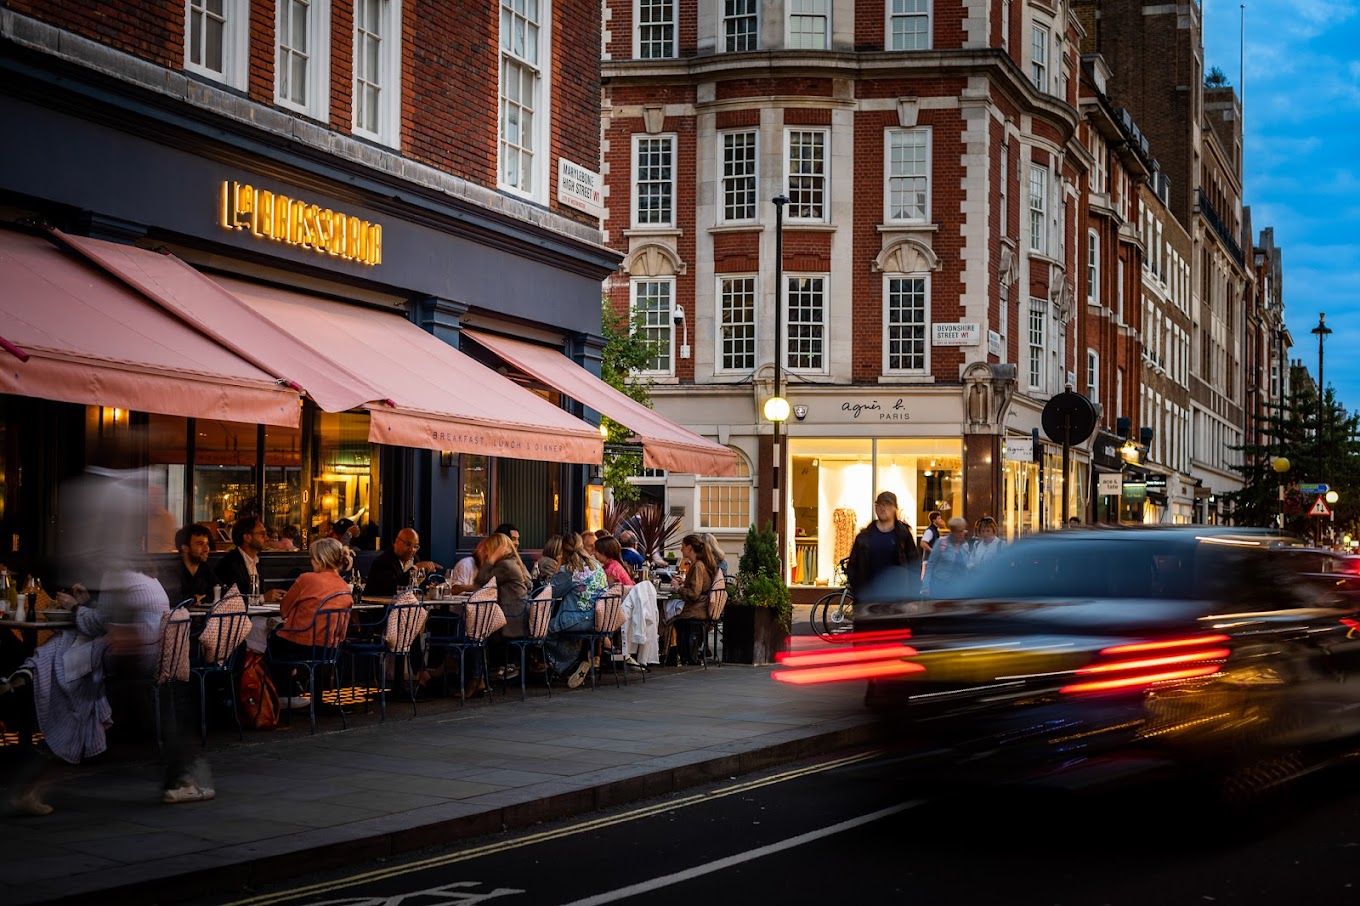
point(718, 554)
point(548, 560)
point(500, 562)
point(299, 632)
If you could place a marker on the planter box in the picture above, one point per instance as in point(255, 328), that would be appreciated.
point(752, 635)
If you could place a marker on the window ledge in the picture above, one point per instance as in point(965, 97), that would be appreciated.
point(751, 227)
point(906, 378)
point(809, 226)
point(923, 227)
point(652, 231)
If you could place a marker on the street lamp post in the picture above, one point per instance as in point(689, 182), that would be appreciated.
point(776, 407)
point(1321, 330)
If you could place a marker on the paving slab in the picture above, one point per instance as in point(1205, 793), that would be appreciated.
point(377, 789)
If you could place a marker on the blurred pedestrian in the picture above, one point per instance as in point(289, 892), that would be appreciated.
point(949, 561)
point(986, 543)
point(883, 543)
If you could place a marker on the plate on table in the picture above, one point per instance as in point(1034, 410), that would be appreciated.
point(262, 610)
point(56, 614)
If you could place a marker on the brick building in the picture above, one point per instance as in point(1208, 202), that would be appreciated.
point(935, 221)
point(382, 161)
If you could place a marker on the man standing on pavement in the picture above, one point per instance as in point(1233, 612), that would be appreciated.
point(883, 543)
point(243, 561)
point(191, 578)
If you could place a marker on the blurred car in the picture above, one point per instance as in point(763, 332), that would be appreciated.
point(1111, 651)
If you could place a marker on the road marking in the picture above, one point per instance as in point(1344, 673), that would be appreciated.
point(490, 849)
point(760, 852)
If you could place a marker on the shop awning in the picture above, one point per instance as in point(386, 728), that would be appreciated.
point(440, 399)
point(94, 341)
point(420, 391)
point(665, 445)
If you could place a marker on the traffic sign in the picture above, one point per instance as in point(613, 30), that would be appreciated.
point(1319, 508)
point(1318, 488)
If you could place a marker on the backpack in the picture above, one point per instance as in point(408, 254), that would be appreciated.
point(256, 700)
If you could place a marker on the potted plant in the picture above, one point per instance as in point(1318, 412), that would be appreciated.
point(759, 614)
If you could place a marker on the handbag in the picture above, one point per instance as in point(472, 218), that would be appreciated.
point(256, 699)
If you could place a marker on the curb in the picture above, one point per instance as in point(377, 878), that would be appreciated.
point(266, 864)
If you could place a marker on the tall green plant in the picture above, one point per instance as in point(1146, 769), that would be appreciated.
point(626, 353)
point(761, 583)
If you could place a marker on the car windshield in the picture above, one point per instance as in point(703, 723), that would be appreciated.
point(1156, 566)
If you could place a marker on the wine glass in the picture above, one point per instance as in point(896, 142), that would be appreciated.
point(417, 576)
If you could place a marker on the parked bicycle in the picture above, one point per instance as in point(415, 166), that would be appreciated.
point(834, 613)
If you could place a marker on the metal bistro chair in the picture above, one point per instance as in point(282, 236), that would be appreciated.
point(716, 604)
point(608, 621)
point(537, 616)
point(403, 622)
point(172, 660)
point(469, 632)
point(225, 628)
point(329, 624)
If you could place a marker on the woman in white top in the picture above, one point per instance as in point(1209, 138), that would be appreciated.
point(987, 545)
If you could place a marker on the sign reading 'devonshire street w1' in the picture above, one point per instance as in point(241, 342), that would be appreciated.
point(955, 334)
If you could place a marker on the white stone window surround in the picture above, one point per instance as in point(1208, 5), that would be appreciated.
point(737, 339)
point(523, 92)
point(654, 299)
point(302, 57)
point(910, 25)
point(654, 198)
point(911, 149)
point(912, 290)
point(225, 24)
point(380, 75)
point(656, 29)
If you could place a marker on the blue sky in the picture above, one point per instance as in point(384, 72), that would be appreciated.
point(1302, 160)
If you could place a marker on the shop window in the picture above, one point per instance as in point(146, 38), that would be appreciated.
point(739, 176)
point(302, 57)
point(475, 484)
point(906, 314)
point(652, 309)
point(216, 34)
point(727, 503)
point(283, 480)
point(737, 324)
point(167, 462)
point(377, 70)
point(344, 478)
point(523, 112)
point(909, 24)
point(655, 29)
point(224, 461)
point(805, 173)
point(741, 25)
point(805, 324)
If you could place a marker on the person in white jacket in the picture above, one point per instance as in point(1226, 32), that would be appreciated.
point(987, 543)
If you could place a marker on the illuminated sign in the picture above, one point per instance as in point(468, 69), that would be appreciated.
point(299, 223)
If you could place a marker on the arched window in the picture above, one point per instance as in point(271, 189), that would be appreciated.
point(725, 503)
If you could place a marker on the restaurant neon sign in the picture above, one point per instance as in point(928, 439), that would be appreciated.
point(299, 223)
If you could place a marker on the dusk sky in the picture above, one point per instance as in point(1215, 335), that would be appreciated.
point(1302, 160)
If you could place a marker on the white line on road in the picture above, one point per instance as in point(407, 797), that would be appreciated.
point(760, 852)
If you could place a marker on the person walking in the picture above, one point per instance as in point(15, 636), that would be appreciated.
point(883, 543)
point(949, 561)
point(986, 543)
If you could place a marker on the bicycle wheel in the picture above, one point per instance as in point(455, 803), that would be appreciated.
point(832, 614)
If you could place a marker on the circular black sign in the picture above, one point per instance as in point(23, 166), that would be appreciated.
point(1069, 418)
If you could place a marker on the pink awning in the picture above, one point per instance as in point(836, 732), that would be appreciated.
point(214, 312)
point(665, 445)
point(439, 398)
point(93, 341)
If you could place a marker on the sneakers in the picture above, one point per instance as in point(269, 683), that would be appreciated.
point(631, 663)
point(28, 803)
point(187, 791)
point(507, 672)
point(295, 702)
point(578, 676)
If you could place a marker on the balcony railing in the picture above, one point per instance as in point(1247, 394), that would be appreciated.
point(1221, 228)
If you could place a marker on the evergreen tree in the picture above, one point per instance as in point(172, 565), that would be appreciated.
point(1332, 455)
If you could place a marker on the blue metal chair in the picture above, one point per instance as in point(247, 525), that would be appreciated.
point(608, 621)
point(329, 625)
point(403, 622)
point(225, 628)
point(468, 632)
point(537, 616)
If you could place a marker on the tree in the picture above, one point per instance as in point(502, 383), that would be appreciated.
point(626, 352)
point(1215, 78)
point(1290, 430)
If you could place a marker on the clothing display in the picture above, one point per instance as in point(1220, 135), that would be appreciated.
point(844, 526)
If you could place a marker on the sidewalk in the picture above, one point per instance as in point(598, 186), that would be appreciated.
point(288, 802)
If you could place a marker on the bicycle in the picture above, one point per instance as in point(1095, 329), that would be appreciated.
point(834, 613)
